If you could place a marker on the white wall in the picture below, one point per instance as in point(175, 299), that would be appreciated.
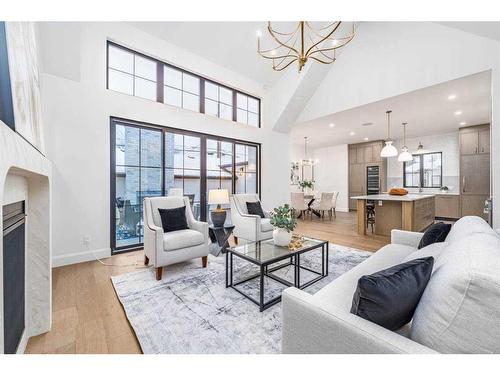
point(447, 143)
point(77, 109)
point(386, 59)
point(332, 173)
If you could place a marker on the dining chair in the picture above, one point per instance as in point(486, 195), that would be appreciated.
point(299, 204)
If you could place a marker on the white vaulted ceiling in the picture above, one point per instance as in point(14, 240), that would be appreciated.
point(427, 111)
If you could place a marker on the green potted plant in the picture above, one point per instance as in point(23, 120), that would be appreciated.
point(306, 184)
point(284, 223)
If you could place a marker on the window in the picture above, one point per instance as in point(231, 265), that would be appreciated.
point(247, 109)
point(424, 170)
point(149, 160)
point(135, 74)
point(131, 73)
point(218, 101)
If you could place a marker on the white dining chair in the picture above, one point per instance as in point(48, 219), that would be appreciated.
point(299, 204)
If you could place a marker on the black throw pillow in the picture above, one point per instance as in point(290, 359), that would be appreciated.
point(254, 208)
point(173, 218)
point(435, 233)
point(389, 297)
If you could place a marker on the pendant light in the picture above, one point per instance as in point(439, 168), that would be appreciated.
point(389, 150)
point(421, 150)
point(404, 155)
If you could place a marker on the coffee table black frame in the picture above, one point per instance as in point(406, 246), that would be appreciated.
point(266, 271)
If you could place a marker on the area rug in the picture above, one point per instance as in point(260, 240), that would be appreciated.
point(191, 310)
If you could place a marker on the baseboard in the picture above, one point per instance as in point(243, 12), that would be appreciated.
point(83, 256)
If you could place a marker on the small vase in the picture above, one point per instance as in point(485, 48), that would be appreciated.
point(281, 237)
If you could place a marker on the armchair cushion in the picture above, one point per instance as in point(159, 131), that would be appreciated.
point(180, 239)
point(265, 225)
point(254, 208)
point(173, 219)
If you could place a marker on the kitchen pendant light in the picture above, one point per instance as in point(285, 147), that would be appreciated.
point(389, 150)
point(421, 150)
point(405, 155)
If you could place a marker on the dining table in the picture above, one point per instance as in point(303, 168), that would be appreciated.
point(311, 198)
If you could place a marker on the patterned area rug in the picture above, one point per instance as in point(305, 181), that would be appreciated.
point(191, 311)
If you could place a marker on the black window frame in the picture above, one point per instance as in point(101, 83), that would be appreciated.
point(114, 121)
point(421, 171)
point(160, 84)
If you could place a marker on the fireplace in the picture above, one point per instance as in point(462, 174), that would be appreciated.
point(14, 253)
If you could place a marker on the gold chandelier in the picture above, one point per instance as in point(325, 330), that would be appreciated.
point(303, 43)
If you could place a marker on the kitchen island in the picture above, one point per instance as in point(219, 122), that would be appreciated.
point(413, 212)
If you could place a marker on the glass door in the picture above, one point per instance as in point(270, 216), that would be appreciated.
point(138, 174)
point(148, 160)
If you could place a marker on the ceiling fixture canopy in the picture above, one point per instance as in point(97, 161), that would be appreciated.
point(303, 43)
point(405, 155)
point(389, 150)
point(421, 150)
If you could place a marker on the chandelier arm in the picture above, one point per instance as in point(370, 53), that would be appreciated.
point(321, 28)
point(274, 57)
point(328, 35)
point(278, 41)
point(322, 52)
point(274, 49)
point(322, 61)
point(347, 40)
point(286, 66)
point(280, 33)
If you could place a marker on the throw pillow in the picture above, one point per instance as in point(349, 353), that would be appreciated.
point(435, 233)
point(254, 208)
point(389, 297)
point(173, 218)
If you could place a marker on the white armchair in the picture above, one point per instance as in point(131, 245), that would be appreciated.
point(163, 249)
point(246, 226)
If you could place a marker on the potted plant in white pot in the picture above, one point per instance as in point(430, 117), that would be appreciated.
point(284, 223)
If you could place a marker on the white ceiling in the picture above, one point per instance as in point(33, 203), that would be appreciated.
point(427, 111)
point(232, 45)
point(487, 29)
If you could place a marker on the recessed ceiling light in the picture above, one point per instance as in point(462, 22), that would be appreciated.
point(332, 125)
point(458, 113)
point(463, 123)
point(365, 139)
point(352, 133)
point(452, 97)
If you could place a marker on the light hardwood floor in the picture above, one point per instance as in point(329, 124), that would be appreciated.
point(88, 317)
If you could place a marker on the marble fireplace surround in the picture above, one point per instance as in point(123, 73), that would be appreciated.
point(25, 174)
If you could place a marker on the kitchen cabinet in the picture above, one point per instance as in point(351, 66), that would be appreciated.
point(474, 169)
point(448, 206)
point(362, 156)
point(484, 142)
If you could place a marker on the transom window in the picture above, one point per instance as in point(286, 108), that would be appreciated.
point(424, 170)
point(135, 74)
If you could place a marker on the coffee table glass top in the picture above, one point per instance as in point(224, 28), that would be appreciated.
point(265, 251)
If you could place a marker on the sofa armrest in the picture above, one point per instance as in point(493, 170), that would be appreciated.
point(200, 226)
point(404, 237)
point(310, 329)
point(153, 241)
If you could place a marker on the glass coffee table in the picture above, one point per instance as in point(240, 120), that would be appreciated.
point(265, 255)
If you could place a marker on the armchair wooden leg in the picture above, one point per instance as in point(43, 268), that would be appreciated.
point(235, 239)
point(204, 261)
point(146, 260)
point(159, 272)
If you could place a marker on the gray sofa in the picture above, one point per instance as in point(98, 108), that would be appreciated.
point(458, 312)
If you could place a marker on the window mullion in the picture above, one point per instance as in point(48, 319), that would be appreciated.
point(160, 79)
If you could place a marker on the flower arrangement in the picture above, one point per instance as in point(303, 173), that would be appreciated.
point(282, 217)
point(306, 184)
